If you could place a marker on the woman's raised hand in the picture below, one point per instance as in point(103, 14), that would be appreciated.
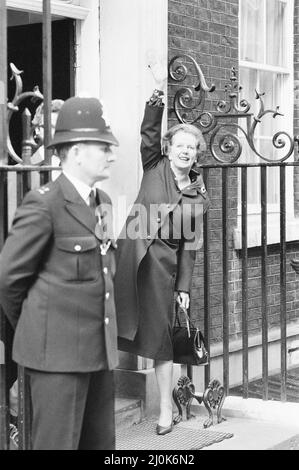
point(158, 69)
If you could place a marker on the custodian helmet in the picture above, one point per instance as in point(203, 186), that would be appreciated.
point(81, 119)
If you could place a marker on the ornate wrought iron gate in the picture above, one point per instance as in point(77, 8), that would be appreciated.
point(189, 106)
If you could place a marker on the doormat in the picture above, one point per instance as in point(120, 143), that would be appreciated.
point(143, 436)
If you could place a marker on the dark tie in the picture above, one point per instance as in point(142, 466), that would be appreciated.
point(101, 229)
point(93, 200)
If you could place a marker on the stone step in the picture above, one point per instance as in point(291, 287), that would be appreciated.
point(128, 411)
point(142, 385)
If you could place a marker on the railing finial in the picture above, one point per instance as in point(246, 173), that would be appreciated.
point(13, 107)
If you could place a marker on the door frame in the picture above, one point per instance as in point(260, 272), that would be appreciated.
point(87, 49)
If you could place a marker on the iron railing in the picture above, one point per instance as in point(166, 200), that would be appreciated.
point(23, 184)
point(4, 417)
point(225, 146)
point(264, 263)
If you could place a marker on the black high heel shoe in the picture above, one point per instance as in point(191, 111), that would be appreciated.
point(161, 430)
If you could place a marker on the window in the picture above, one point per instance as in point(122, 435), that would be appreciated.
point(263, 32)
point(266, 65)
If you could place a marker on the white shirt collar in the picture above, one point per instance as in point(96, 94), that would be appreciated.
point(82, 188)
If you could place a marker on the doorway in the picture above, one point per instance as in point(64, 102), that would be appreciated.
point(24, 50)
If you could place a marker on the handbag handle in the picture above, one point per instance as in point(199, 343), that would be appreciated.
point(186, 316)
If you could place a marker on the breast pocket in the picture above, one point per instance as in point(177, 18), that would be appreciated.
point(79, 258)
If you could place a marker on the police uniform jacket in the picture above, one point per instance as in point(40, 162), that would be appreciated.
point(158, 189)
point(55, 287)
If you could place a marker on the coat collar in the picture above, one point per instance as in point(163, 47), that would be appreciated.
point(196, 186)
point(75, 205)
point(78, 208)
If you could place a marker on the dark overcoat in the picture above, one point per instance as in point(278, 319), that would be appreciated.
point(55, 287)
point(157, 198)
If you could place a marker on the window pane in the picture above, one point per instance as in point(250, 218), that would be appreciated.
point(252, 33)
point(265, 46)
point(276, 34)
point(248, 81)
point(272, 85)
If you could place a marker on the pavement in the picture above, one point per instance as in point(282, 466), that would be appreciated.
point(250, 434)
point(255, 424)
point(289, 444)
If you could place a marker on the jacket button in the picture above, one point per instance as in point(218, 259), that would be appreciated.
point(107, 295)
point(77, 247)
point(149, 237)
point(158, 220)
point(105, 270)
point(106, 321)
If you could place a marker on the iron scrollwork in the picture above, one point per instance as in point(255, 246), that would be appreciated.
point(188, 105)
point(190, 99)
point(13, 107)
point(213, 398)
point(183, 395)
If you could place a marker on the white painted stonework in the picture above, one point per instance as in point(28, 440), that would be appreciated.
point(129, 29)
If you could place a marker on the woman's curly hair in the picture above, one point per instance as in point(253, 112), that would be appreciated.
point(189, 129)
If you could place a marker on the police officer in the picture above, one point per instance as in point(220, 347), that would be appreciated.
point(56, 288)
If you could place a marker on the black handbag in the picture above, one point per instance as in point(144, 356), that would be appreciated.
point(188, 343)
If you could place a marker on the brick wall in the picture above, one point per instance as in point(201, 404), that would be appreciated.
point(208, 31)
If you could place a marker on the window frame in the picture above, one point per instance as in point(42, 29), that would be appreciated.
point(76, 10)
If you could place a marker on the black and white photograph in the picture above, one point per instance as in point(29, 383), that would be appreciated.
point(149, 227)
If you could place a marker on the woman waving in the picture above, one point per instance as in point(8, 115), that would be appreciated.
point(158, 244)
